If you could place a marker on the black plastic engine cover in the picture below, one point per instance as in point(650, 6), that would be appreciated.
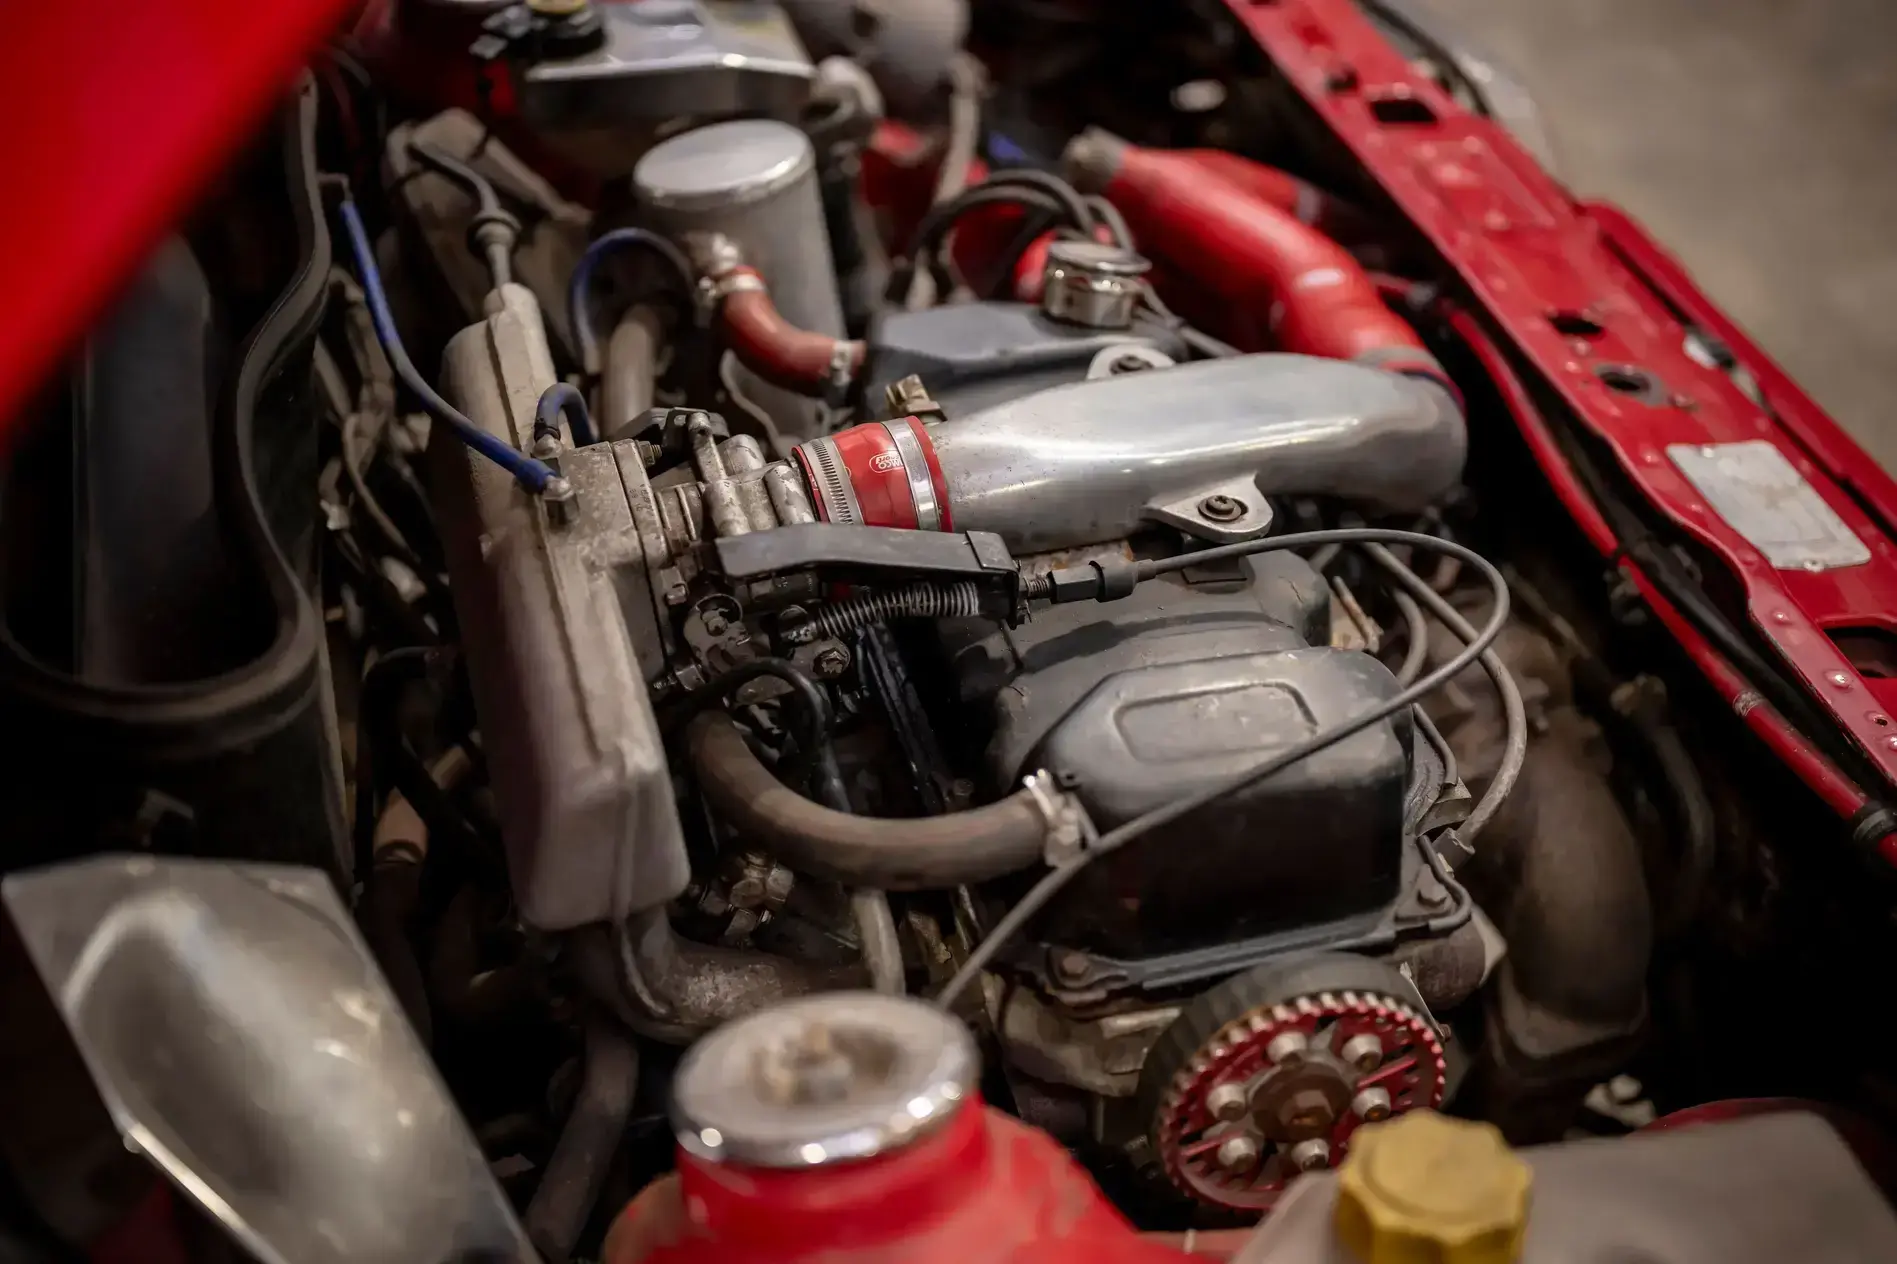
point(1180, 687)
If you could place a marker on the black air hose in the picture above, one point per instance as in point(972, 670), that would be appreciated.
point(577, 1168)
point(910, 854)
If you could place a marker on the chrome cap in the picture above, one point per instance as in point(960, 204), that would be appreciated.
point(825, 1079)
point(1093, 284)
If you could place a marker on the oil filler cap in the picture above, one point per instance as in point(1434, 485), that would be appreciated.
point(825, 1079)
point(1425, 1189)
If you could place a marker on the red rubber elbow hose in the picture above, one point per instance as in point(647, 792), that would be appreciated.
point(1250, 251)
point(764, 341)
point(780, 352)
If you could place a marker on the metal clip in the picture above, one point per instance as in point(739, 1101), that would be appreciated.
point(842, 367)
point(1069, 831)
point(562, 502)
point(910, 398)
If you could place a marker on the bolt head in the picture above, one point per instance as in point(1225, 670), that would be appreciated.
point(1306, 1111)
point(1070, 966)
point(1286, 1044)
point(831, 660)
point(1238, 1154)
point(1311, 1156)
point(1372, 1105)
point(1227, 1101)
point(1222, 508)
point(1364, 1051)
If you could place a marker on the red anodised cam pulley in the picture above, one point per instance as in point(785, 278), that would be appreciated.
point(846, 1128)
point(879, 474)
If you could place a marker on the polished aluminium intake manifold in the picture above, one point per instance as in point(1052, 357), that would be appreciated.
point(1200, 447)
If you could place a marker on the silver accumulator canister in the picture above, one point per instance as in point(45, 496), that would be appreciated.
point(755, 181)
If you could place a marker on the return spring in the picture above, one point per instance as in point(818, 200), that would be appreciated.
point(914, 601)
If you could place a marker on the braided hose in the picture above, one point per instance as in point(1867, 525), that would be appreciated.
point(924, 600)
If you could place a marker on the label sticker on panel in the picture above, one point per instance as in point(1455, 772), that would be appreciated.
point(1762, 497)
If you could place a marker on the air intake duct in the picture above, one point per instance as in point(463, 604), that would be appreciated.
point(1201, 447)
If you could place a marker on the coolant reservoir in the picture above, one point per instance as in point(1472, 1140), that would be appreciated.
point(848, 1127)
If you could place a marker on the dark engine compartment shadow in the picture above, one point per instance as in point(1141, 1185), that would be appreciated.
point(158, 524)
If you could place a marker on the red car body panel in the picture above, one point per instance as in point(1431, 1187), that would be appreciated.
point(120, 114)
point(1530, 253)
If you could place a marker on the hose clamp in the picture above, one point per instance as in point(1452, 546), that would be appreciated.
point(828, 476)
point(878, 474)
point(1069, 831)
point(915, 468)
point(842, 369)
point(740, 281)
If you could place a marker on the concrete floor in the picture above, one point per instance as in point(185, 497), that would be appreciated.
point(1756, 138)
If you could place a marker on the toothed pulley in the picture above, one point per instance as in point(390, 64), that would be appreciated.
point(1268, 1074)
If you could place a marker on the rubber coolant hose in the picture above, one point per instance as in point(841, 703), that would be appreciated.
point(909, 854)
point(769, 345)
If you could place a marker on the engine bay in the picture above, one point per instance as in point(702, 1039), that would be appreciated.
point(1001, 504)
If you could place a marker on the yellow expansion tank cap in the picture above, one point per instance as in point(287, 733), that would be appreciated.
point(1424, 1189)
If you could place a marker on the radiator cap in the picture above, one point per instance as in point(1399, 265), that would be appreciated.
point(1425, 1189)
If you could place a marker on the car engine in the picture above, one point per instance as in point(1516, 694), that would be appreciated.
point(980, 502)
point(807, 652)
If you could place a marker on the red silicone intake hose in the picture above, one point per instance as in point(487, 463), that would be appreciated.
point(1332, 216)
point(1249, 251)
